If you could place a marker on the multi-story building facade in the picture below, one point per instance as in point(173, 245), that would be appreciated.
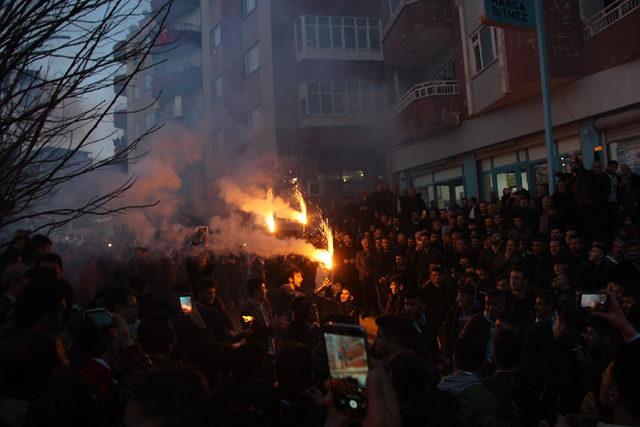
point(297, 89)
point(465, 98)
point(169, 88)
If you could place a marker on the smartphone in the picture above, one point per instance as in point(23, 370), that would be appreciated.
point(185, 304)
point(100, 317)
point(593, 301)
point(348, 366)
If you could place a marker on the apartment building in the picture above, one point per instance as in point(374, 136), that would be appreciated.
point(465, 99)
point(169, 90)
point(297, 89)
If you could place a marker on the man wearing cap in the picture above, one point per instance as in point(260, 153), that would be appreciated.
point(13, 282)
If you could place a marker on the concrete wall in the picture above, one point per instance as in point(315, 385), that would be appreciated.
point(596, 94)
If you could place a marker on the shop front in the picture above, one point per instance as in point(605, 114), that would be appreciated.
point(445, 187)
point(512, 167)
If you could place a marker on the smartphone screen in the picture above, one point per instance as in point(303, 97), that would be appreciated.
point(185, 304)
point(596, 301)
point(100, 317)
point(348, 366)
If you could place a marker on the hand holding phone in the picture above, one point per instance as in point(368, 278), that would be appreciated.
point(348, 366)
point(186, 305)
point(593, 301)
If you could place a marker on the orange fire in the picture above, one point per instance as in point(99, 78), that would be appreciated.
point(325, 257)
point(301, 216)
point(269, 215)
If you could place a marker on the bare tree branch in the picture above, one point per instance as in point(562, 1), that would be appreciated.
point(47, 117)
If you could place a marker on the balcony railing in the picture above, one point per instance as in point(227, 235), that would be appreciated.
point(608, 16)
point(185, 26)
point(425, 90)
point(394, 15)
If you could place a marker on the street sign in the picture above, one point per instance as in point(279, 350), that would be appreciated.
point(509, 13)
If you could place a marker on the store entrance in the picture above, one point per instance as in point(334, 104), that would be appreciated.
point(449, 192)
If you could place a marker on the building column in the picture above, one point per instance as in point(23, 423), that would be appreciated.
point(471, 175)
point(589, 140)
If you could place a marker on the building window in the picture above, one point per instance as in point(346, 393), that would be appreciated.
point(148, 80)
point(365, 98)
point(136, 92)
point(216, 88)
point(215, 36)
point(484, 47)
point(298, 34)
point(248, 6)
point(137, 130)
point(251, 60)
point(254, 120)
point(337, 32)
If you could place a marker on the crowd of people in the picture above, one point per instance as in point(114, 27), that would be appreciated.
point(473, 309)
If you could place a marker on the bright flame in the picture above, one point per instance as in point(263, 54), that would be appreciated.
point(247, 319)
point(271, 223)
point(269, 215)
point(325, 257)
point(109, 245)
point(301, 216)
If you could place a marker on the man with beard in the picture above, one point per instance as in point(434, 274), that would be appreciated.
point(287, 293)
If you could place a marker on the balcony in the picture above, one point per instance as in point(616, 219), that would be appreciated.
point(178, 8)
point(120, 117)
point(609, 16)
point(425, 108)
point(338, 38)
point(119, 82)
point(180, 33)
point(416, 31)
point(176, 80)
point(611, 37)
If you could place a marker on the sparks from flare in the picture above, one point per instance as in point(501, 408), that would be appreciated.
point(269, 215)
point(301, 216)
point(325, 257)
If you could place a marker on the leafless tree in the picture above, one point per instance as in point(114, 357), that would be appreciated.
point(56, 60)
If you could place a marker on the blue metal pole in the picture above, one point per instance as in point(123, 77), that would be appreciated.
point(546, 94)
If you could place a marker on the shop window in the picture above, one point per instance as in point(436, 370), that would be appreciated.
point(444, 196)
point(505, 180)
point(628, 153)
point(540, 174)
point(487, 184)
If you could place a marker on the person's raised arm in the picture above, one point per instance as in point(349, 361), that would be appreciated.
point(616, 317)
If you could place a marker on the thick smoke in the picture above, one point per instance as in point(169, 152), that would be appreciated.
point(232, 234)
